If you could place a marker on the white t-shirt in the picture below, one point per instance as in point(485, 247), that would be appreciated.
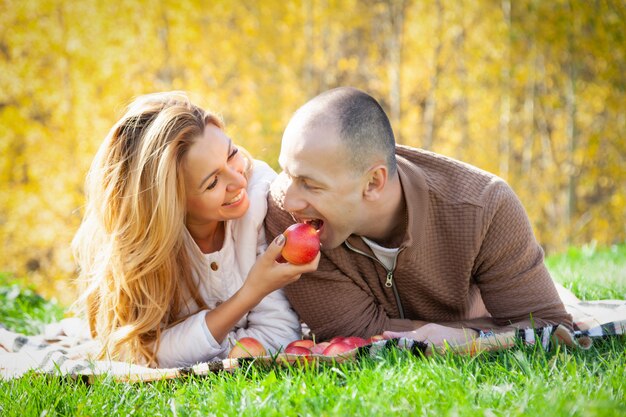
point(386, 255)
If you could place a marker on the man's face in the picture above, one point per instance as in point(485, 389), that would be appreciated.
point(321, 187)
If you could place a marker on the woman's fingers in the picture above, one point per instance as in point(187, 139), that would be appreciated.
point(303, 268)
point(273, 250)
point(273, 253)
point(272, 273)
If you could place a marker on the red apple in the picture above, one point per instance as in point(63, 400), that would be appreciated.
point(336, 339)
point(355, 341)
point(337, 348)
point(305, 343)
point(298, 350)
point(247, 347)
point(302, 245)
point(318, 348)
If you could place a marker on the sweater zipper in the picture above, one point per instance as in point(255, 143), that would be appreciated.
point(389, 280)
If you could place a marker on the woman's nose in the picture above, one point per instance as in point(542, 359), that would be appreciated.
point(238, 180)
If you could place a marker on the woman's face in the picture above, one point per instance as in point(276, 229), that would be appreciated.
point(214, 182)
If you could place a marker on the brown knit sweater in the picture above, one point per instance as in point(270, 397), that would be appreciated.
point(469, 259)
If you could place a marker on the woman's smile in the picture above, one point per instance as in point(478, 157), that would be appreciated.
point(238, 198)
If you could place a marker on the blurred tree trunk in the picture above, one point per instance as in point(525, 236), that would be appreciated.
point(395, 17)
point(309, 41)
point(571, 133)
point(505, 97)
point(165, 74)
point(529, 105)
point(430, 106)
point(325, 81)
point(461, 72)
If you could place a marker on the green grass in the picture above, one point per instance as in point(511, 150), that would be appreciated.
point(592, 273)
point(23, 310)
point(522, 381)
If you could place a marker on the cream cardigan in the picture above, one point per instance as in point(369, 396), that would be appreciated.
point(272, 321)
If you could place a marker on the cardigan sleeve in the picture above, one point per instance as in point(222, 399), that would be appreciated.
point(272, 322)
point(188, 343)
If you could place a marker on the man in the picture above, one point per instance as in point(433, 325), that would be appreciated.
point(412, 241)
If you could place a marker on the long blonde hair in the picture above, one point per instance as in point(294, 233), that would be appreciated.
point(137, 260)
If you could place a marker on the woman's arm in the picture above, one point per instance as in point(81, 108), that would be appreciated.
point(187, 343)
point(265, 277)
point(272, 322)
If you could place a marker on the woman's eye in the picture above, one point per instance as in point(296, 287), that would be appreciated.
point(233, 153)
point(213, 184)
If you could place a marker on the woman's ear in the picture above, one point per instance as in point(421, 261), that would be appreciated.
point(376, 180)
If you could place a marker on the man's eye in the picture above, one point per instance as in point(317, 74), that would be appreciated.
point(213, 184)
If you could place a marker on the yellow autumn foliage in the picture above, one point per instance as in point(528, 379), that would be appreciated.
point(533, 91)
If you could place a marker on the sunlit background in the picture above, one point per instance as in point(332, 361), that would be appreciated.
point(531, 90)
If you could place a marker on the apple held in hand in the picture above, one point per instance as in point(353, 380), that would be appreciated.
point(302, 244)
point(247, 347)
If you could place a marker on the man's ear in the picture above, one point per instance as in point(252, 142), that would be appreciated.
point(376, 180)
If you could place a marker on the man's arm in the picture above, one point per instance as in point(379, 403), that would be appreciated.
point(509, 269)
point(510, 272)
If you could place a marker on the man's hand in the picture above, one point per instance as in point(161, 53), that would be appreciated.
point(436, 334)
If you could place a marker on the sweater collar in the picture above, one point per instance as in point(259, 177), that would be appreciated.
point(415, 190)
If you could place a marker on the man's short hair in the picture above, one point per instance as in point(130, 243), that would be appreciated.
point(362, 124)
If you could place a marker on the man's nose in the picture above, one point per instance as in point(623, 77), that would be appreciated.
point(293, 201)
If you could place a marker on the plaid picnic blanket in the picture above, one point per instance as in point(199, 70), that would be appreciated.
point(65, 348)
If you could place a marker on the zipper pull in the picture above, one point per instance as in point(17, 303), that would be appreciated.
point(389, 281)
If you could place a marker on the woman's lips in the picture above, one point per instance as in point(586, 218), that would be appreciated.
point(235, 199)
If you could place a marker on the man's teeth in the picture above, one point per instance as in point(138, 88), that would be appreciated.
point(236, 198)
point(316, 223)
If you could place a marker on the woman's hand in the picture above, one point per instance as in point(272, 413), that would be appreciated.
point(268, 275)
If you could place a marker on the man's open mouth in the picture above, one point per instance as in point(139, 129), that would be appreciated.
point(316, 223)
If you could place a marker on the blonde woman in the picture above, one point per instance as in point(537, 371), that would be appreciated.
point(171, 250)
